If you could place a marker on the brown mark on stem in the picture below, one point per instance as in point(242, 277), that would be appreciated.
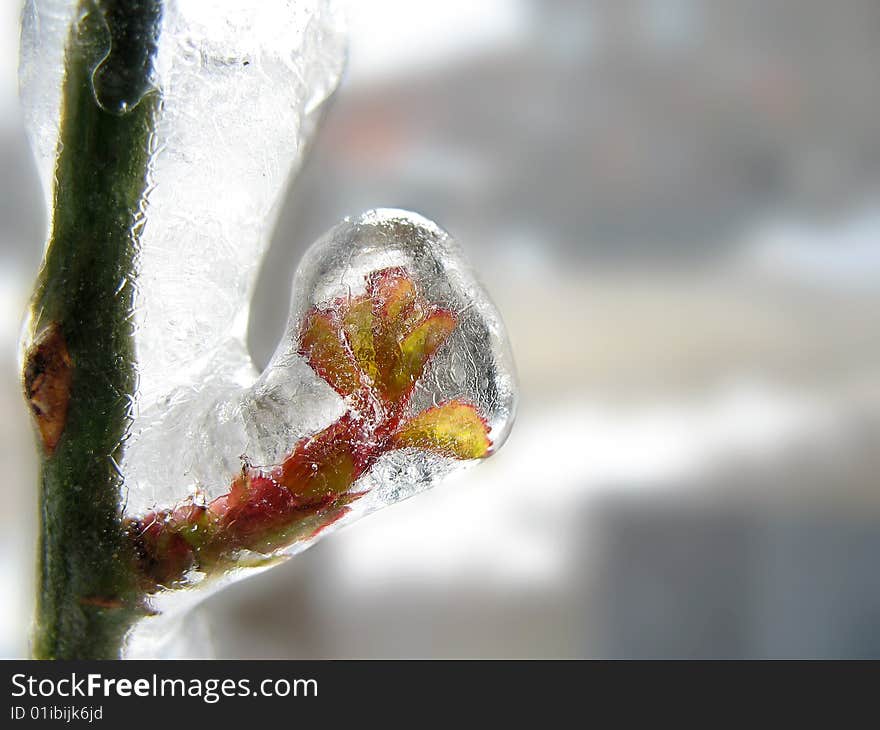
point(48, 373)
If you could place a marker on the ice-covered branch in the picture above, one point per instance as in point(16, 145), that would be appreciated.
point(79, 366)
point(165, 134)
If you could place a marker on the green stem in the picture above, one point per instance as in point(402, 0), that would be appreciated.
point(80, 370)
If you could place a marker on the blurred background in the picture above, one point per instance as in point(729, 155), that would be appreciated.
point(676, 206)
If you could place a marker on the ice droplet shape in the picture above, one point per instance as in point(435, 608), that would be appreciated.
point(117, 80)
point(394, 370)
point(472, 365)
point(325, 435)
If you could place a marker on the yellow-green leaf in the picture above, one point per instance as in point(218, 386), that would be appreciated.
point(321, 342)
point(393, 294)
point(452, 429)
point(357, 323)
point(414, 351)
point(324, 464)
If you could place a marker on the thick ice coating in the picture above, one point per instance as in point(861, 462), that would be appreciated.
point(394, 368)
point(472, 364)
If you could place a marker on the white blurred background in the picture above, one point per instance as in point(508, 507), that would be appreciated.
point(676, 206)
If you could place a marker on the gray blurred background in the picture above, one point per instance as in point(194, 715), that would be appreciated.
point(676, 206)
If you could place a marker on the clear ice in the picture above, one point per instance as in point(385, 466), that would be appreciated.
point(242, 84)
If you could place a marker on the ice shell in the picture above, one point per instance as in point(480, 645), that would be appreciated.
point(474, 364)
point(197, 441)
point(290, 402)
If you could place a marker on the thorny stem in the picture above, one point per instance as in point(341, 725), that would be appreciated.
point(79, 368)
